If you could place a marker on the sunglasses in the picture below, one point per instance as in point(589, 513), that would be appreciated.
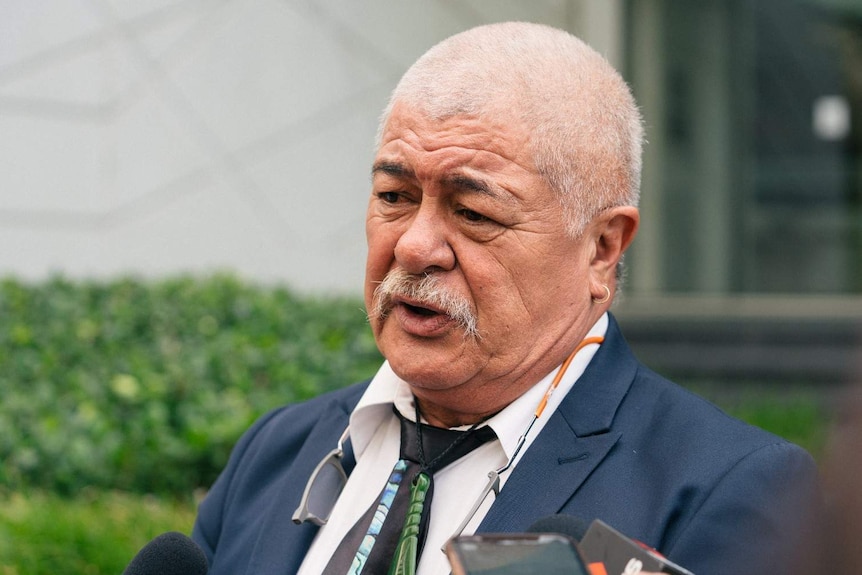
point(326, 483)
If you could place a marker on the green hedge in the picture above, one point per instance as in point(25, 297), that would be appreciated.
point(95, 533)
point(146, 385)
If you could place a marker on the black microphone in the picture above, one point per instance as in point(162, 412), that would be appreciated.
point(170, 553)
point(606, 550)
point(623, 555)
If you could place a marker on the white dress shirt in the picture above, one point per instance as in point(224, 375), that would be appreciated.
point(375, 433)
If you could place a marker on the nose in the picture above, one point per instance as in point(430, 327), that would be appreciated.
point(424, 247)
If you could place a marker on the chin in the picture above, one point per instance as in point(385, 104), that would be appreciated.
point(420, 373)
point(428, 371)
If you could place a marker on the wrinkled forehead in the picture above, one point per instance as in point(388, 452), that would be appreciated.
point(491, 140)
point(494, 125)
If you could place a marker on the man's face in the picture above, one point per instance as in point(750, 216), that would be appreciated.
point(460, 201)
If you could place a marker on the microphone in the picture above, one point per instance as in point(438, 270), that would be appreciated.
point(606, 550)
point(622, 555)
point(170, 553)
point(556, 544)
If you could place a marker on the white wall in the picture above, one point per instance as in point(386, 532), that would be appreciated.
point(158, 137)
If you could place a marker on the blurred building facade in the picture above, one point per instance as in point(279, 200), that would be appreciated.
point(161, 137)
point(749, 262)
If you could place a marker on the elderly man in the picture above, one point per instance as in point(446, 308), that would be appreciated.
point(504, 195)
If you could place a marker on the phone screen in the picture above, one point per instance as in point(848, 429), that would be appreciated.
point(508, 554)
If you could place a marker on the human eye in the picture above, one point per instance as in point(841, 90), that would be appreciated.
point(389, 197)
point(473, 216)
point(394, 203)
point(482, 223)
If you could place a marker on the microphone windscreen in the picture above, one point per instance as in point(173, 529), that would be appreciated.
point(170, 553)
point(569, 525)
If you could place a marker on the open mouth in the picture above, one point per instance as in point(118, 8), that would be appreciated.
point(420, 310)
point(421, 319)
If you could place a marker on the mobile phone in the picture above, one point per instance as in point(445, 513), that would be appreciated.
point(515, 554)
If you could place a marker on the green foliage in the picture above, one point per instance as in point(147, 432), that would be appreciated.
point(801, 420)
point(797, 412)
point(93, 534)
point(145, 386)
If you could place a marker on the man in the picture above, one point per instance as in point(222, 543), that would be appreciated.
point(504, 195)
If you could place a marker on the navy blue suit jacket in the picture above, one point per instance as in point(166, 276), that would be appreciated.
point(626, 446)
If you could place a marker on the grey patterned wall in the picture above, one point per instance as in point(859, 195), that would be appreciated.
point(167, 136)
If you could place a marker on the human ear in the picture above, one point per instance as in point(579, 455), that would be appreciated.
point(613, 232)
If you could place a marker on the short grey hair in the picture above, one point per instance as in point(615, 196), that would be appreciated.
point(586, 130)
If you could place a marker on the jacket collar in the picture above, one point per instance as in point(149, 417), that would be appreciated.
point(591, 405)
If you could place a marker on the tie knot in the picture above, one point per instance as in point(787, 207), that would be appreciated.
point(439, 446)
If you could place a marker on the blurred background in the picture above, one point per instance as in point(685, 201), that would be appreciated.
point(182, 195)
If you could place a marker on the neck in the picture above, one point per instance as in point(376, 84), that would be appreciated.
point(440, 416)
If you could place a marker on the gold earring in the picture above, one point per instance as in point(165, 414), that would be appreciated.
point(607, 295)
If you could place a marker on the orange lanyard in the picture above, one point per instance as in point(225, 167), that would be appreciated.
point(562, 371)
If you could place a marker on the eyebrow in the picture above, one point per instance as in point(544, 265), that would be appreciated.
point(458, 181)
point(392, 169)
point(464, 182)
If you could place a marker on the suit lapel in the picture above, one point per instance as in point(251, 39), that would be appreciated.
point(281, 544)
point(576, 439)
point(547, 476)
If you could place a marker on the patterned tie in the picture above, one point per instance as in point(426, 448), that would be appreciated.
point(368, 547)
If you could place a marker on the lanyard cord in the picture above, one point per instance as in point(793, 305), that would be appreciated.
point(562, 371)
point(544, 401)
